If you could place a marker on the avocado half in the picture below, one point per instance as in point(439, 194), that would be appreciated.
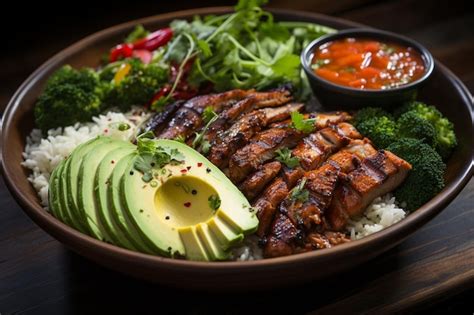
point(186, 208)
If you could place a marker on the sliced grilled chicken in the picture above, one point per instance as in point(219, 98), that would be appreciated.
point(261, 149)
point(239, 134)
point(269, 200)
point(370, 177)
point(316, 147)
point(312, 152)
point(302, 215)
point(376, 176)
point(188, 117)
point(158, 121)
point(255, 183)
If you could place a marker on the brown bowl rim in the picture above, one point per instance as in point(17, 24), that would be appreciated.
point(49, 223)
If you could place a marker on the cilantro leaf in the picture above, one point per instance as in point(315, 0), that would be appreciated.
point(144, 163)
point(301, 124)
point(299, 193)
point(284, 156)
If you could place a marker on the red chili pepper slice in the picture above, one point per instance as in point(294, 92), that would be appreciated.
point(154, 40)
point(149, 43)
point(120, 51)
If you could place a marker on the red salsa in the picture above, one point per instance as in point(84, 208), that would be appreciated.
point(367, 64)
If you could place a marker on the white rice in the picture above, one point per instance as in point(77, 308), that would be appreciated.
point(43, 155)
point(382, 213)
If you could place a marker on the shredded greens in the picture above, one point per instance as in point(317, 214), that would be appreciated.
point(246, 49)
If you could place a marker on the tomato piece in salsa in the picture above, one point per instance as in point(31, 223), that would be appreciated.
point(367, 64)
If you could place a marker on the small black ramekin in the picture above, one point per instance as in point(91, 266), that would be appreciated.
point(334, 96)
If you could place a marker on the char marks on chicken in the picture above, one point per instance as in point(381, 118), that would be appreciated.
point(303, 206)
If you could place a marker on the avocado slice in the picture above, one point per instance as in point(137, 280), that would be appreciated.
point(64, 202)
point(172, 212)
point(102, 183)
point(86, 199)
point(72, 172)
point(54, 206)
point(116, 210)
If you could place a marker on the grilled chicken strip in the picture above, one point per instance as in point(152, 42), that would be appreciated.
point(317, 147)
point(255, 183)
point(239, 134)
point(312, 152)
point(376, 176)
point(266, 204)
point(261, 149)
point(157, 122)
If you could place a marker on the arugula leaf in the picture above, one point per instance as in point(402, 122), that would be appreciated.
point(299, 193)
point(284, 156)
point(301, 124)
point(204, 47)
point(214, 202)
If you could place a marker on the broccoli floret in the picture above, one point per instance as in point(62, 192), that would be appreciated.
point(70, 96)
point(381, 130)
point(445, 136)
point(368, 113)
point(411, 125)
point(137, 87)
point(425, 179)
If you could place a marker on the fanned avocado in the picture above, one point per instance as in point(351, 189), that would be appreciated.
point(187, 208)
point(161, 197)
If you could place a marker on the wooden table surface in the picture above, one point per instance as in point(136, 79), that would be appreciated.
point(432, 271)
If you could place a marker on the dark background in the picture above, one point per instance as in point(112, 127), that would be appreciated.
point(39, 276)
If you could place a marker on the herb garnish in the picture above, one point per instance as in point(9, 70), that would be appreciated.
point(152, 157)
point(199, 143)
point(208, 114)
point(284, 156)
point(301, 124)
point(214, 202)
point(180, 138)
point(299, 193)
